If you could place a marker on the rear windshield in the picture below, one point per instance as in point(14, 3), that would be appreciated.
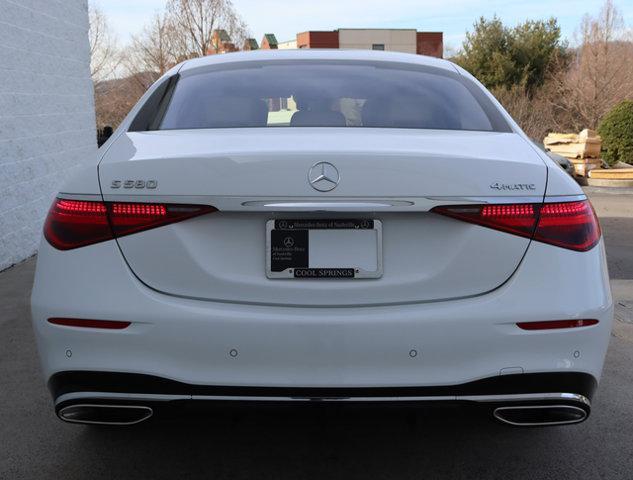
point(326, 94)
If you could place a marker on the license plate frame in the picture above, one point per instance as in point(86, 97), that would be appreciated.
point(299, 231)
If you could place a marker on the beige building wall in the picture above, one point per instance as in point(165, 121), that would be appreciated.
point(397, 40)
point(288, 45)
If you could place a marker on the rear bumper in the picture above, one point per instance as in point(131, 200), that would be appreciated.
point(72, 386)
point(394, 348)
point(84, 397)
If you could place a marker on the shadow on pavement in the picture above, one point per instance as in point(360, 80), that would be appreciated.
point(316, 443)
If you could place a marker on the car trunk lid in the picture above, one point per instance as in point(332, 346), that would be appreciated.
point(253, 176)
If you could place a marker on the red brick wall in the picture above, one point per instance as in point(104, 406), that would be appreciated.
point(317, 40)
point(430, 43)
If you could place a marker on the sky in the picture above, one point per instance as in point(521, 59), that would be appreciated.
point(285, 18)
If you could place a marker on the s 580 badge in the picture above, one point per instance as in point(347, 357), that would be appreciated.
point(140, 184)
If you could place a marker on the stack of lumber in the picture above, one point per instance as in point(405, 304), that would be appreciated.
point(613, 173)
point(582, 149)
point(612, 177)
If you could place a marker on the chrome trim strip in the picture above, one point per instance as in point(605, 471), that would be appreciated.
point(574, 397)
point(499, 417)
point(333, 206)
point(314, 204)
point(118, 396)
point(88, 197)
point(325, 399)
point(505, 200)
point(564, 198)
point(470, 398)
point(492, 200)
point(148, 413)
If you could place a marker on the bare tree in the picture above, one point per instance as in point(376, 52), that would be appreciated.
point(183, 30)
point(114, 98)
point(197, 19)
point(104, 58)
point(237, 29)
point(601, 72)
point(152, 52)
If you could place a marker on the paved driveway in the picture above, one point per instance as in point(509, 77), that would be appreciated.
point(320, 444)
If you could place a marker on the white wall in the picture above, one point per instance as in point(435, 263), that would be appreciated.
point(287, 45)
point(47, 119)
point(396, 40)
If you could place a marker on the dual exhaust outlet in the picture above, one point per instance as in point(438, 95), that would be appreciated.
point(104, 414)
point(540, 415)
point(515, 415)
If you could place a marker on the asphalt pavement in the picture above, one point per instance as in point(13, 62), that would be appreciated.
point(316, 443)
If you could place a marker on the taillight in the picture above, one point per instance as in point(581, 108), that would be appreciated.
point(571, 225)
point(76, 223)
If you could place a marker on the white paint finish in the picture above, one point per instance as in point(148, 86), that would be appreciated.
point(189, 340)
point(394, 40)
point(371, 161)
point(425, 257)
point(47, 123)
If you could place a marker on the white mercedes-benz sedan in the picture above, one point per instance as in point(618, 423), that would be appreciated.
point(321, 226)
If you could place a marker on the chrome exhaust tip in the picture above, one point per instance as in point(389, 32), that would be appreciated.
point(540, 415)
point(95, 414)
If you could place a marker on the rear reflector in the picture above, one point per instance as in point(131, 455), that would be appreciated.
point(552, 324)
point(571, 225)
point(78, 322)
point(76, 223)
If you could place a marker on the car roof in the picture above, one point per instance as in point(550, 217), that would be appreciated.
point(316, 54)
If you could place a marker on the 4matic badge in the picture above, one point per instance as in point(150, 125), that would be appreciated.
point(513, 186)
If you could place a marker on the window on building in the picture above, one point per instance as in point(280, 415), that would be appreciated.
point(377, 46)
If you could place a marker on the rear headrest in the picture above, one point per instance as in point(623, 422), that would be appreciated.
point(226, 112)
point(323, 118)
point(374, 113)
point(404, 113)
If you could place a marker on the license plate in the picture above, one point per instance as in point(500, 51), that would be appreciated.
point(340, 248)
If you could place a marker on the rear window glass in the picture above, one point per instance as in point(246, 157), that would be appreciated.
point(322, 94)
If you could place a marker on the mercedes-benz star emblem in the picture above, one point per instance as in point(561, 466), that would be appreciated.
point(289, 242)
point(323, 176)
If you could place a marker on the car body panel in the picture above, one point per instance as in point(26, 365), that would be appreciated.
point(191, 341)
point(428, 257)
point(203, 312)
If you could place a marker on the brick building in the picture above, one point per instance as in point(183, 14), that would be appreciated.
point(269, 42)
point(221, 43)
point(398, 40)
point(392, 39)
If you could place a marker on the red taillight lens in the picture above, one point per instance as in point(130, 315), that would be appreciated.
point(553, 324)
point(76, 223)
point(127, 218)
point(571, 225)
point(519, 219)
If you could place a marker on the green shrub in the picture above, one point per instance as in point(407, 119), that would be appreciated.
point(616, 130)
